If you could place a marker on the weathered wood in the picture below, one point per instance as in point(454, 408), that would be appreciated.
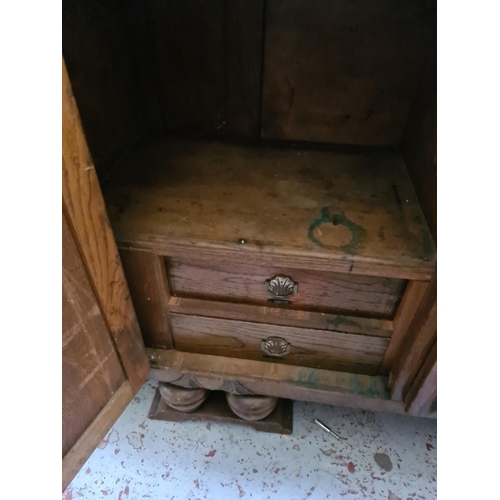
point(350, 294)
point(216, 410)
point(91, 370)
point(404, 316)
point(419, 143)
point(272, 379)
point(86, 212)
point(314, 348)
point(184, 399)
point(95, 49)
point(79, 453)
point(421, 400)
point(342, 72)
point(251, 407)
point(281, 316)
point(189, 40)
point(243, 45)
point(419, 340)
point(148, 284)
point(312, 209)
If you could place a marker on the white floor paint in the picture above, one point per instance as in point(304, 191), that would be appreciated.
point(385, 456)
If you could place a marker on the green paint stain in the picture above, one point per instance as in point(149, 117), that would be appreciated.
point(341, 320)
point(357, 232)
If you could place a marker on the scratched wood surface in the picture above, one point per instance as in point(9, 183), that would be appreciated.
point(91, 370)
point(313, 209)
point(281, 316)
point(320, 291)
point(84, 205)
point(273, 379)
point(342, 71)
point(314, 348)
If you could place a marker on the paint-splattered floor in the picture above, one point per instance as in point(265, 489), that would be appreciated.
point(385, 456)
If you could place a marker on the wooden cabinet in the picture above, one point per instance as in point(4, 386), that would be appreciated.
point(268, 170)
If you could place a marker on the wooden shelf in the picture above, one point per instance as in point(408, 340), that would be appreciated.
point(347, 212)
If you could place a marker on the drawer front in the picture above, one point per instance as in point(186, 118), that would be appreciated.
point(290, 345)
point(334, 292)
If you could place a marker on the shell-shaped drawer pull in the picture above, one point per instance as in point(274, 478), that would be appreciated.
point(275, 347)
point(281, 287)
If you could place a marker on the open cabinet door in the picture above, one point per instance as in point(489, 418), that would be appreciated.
point(103, 355)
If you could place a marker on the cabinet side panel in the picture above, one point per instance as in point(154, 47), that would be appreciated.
point(95, 49)
point(91, 370)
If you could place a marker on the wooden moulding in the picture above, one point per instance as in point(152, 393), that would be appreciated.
point(404, 316)
point(148, 283)
point(281, 316)
point(215, 409)
point(81, 450)
point(86, 212)
point(421, 399)
point(272, 379)
point(418, 342)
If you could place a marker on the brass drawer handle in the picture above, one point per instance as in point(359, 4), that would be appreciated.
point(281, 287)
point(275, 347)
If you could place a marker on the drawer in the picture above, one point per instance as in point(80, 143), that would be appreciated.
point(335, 292)
point(290, 345)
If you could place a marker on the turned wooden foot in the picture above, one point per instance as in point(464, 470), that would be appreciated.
point(181, 398)
point(251, 407)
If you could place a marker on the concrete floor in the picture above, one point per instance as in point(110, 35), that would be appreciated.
point(390, 457)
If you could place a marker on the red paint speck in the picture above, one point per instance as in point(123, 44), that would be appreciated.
point(350, 467)
point(211, 453)
point(117, 450)
point(104, 492)
point(241, 492)
point(68, 494)
point(276, 470)
point(255, 471)
point(196, 483)
point(126, 491)
point(429, 446)
point(88, 471)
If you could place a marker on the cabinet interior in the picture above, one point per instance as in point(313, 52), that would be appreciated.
point(269, 130)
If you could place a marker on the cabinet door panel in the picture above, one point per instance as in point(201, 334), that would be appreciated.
point(104, 360)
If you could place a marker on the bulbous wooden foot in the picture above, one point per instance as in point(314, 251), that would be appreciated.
point(251, 407)
point(183, 399)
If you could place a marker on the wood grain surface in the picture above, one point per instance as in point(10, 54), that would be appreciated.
point(314, 348)
point(282, 316)
point(404, 316)
point(342, 72)
point(421, 399)
point(147, 281)
point(419, 340)
point(273, 379)
point(95, 45)
point(91, 369)
point(84, 206)
point(319, 291)
point(318, 210)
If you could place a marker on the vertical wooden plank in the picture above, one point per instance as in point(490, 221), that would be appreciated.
point(404, 316)
point(244, 39)
point(84, 206)
point(342, 71)
point(189, 40)
point(141, 44)
point(91, 369)
point(95, 49)
point(418, 342)
point(93, 435)
point(419, 143)
point(147, 280)
point(421, 400)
